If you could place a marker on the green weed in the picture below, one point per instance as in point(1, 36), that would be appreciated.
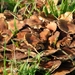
point(29, 68)
point(4, 71)
point(57, 10)
point(16, 5)
point(1, 5)
point(21, 67)
point(30, 7)
point(14, 32)
point(11, 5)
point(7, 4)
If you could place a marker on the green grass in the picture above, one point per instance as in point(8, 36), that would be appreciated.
point(4, 71)
point(7, 4)
point(11, 5)
point(31, 68)
point(14, 32)
point(16, 5)
point(30, 7)
point(57, 10)
point(26, 68)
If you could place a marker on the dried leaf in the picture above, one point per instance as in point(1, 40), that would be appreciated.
point(40, 46)
point(19, 55)
point(52, 26)
point(1, 70)
point(69, 51)
point(3, 25)
point(66, 41)
point(54, 37)
point(4, 32)
point(68, 16)
point(66, 68)
point(2, 16)
point(44, 34)
point(22, 33)
point(45, 18)
point(49, 52)
point(51, 65)
point(13, 24)
point(1, 57)
point(72, 45)
point(66, 27)
point(34, 22)
point(8, 15)
point(7, 35)
point(62, 55)
point(32, 39)
point(40, 3)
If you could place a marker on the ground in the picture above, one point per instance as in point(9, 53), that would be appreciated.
point(37, 38)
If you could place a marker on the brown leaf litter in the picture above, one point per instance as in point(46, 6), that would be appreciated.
point(55, 39)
